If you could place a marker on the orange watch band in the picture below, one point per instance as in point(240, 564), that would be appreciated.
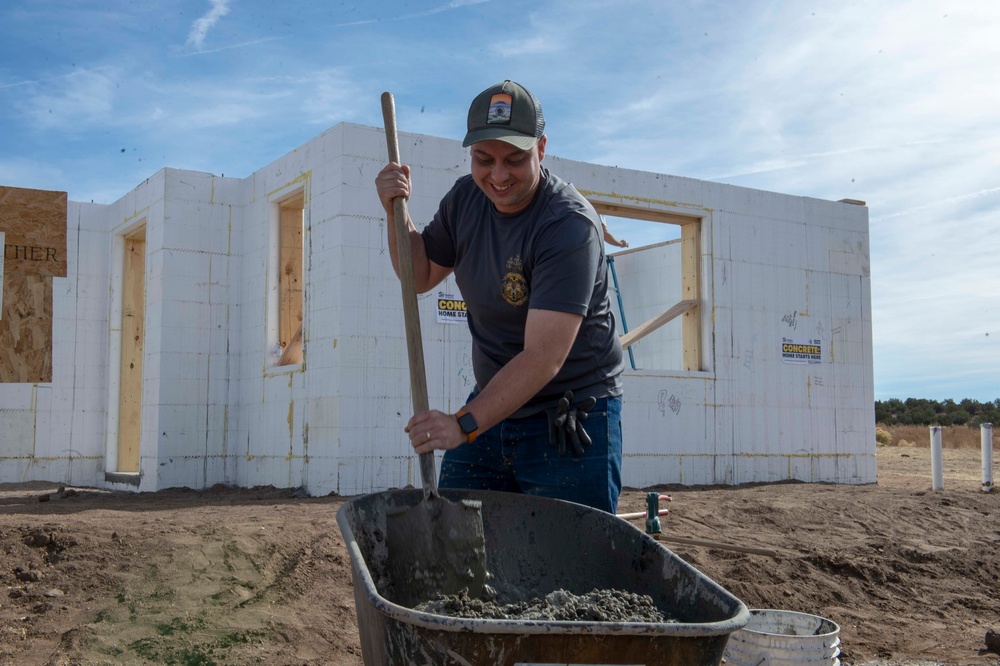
point(470, 435)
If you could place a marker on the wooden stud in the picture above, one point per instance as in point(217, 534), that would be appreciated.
point(691, 291)
point(644, 329)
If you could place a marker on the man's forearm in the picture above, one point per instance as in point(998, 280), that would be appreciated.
point(393, 239)
point(548, 337)
point(514, 385)
point(420, 263)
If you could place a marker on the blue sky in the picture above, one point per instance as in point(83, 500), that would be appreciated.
point(895, 103)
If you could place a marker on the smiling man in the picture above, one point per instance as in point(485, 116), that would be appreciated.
point(527, 252)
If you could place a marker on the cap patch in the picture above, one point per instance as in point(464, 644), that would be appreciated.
point(499, 113)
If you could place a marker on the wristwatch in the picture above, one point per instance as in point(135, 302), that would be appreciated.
point(467, 422)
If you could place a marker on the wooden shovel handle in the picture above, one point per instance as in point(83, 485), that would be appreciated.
point(411, 315)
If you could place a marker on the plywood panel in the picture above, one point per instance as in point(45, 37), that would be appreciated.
point(34, 222)
point(26, 329)
point(133, 316)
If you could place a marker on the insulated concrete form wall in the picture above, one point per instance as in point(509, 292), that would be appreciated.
point(217, 408)
point(335, 422)
point(55, 430)
point(772, 267)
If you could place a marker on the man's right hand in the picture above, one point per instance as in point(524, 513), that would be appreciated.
point(392, 182)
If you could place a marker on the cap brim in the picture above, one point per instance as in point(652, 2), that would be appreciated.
point(499, 134)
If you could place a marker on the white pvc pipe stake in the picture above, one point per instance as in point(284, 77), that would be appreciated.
point(937, 475)
point(986, 437)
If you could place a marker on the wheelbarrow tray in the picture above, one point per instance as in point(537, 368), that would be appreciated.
point(536, 545)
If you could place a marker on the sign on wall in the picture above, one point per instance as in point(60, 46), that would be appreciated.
point(33, 223)
point(450, 309)
point(801, 351)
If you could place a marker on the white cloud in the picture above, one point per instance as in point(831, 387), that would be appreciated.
point(328, 96)
point(35, 82)
point(200, 28)
point(449, 6)
point(528, 46)
point(31, 173)
point(949, 201)
point(230, 47)
point(191, 108)
point(73, 101)
point(890, 102)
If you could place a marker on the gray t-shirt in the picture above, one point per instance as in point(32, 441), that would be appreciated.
point(549, 256)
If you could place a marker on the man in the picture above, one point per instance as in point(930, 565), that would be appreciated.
point(528, 256)
point(609, 237)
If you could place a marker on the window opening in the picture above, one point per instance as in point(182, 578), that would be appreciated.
point(656, 280)
point(291, 223)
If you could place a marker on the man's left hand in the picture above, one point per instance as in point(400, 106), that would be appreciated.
point(434, 430)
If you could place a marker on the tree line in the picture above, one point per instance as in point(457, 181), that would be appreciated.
point(920, 411)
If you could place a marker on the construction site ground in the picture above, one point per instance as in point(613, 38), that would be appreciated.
point(233, 576)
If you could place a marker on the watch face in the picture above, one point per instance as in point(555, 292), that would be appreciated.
point(467, 422)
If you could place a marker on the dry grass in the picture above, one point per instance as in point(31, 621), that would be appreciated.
point(952, 437)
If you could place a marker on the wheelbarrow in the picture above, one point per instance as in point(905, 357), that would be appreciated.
point(535, 546)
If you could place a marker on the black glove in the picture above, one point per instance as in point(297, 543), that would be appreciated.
point(566, 423)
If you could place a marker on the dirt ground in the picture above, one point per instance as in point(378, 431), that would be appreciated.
point(261, 576)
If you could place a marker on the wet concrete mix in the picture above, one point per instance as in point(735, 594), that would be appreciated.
point(598, 605)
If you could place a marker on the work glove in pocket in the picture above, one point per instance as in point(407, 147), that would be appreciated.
point(566, 424)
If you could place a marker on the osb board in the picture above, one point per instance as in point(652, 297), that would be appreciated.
point(26, 329)
point(34, 222)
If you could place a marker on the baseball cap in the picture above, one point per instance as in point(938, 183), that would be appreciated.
point(507, 112)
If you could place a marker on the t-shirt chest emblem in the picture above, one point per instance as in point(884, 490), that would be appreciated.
point(515, 287)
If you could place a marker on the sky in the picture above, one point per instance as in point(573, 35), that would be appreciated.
point(896, 103)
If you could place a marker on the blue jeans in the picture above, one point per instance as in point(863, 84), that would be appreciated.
point(516, 456)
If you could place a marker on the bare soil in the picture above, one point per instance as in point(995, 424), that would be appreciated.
point(235, 576)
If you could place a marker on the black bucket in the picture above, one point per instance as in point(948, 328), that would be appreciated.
point(536, 545)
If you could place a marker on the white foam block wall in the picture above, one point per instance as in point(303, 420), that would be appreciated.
point(772, 266)
point(55, 430)
point(216, 409)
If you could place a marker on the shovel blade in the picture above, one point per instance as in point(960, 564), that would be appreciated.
point(436, 547)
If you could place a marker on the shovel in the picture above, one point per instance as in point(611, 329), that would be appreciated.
point(436, 547)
